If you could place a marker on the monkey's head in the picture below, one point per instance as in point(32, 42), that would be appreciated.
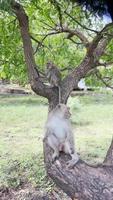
point(62, 111)
point(49, 65)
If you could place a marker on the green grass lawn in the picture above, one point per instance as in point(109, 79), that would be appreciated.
point(22, 120)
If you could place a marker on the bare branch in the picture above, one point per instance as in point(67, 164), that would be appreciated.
point(40, 44)
point(66, 68)
point(77, 33)
point(77, 43)
point(99, 76)
point(48, 25)
point(105, 64)
point(81, 25)
point(59, 30)
point(37, 41)
point(51, 33)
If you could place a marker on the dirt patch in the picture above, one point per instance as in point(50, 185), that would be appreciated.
point(13, 89)
point(28, 192)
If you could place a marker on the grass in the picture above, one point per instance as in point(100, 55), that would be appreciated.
point(93, 126)
point(22, 120)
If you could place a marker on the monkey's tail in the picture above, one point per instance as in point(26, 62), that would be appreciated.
point(59, 89)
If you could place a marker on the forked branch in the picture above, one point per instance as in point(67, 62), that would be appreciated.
point(37, 85)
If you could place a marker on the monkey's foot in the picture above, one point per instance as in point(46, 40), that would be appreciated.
point(72, 162)
point(58, 163)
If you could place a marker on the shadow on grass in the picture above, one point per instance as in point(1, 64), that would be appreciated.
point(81, 123)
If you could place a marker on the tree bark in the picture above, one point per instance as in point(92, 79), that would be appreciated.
point(109, 156)
point(83, 181)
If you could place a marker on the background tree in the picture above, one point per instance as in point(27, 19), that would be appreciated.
point(84, 181)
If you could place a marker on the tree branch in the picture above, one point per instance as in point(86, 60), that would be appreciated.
point(105, 64)
point(77, 33)
point(81, 25)
point(94, 52)
point(40, 44)
point(77, 43)
point(103, 34)
point(48, 25)
point(83, 181)
point(34, 78)
point(109, 156)
point(99, 76)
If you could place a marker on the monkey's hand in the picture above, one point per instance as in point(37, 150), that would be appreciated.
point(55, 156)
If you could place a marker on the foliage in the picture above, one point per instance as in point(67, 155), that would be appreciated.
point(12, 62)
point(44, 17)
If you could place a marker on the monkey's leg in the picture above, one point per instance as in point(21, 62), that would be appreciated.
point(69, 150)
point(54, 144)
point(74, 160)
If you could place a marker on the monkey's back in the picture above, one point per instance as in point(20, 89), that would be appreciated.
point(54, 77)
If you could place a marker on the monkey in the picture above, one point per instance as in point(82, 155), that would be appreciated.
point(100, 7)
point(54, 77)
point(59, 133)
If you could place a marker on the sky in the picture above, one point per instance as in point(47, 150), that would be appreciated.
point(107, 19)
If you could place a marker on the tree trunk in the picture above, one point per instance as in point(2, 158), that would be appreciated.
point(109, 157)
point(83, 181)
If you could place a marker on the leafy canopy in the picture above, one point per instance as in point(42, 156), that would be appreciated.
point(44, 18)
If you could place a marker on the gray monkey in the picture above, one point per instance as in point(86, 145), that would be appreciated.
point(59, 133)
point(54, 77)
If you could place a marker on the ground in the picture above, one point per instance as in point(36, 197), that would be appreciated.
point(22, 119)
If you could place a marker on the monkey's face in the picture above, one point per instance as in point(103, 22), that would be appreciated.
point(49, 65)
point(64, 111)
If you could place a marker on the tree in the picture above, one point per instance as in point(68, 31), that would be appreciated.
point(83, 182)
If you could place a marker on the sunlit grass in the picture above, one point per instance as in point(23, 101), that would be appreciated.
point(93, 126)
